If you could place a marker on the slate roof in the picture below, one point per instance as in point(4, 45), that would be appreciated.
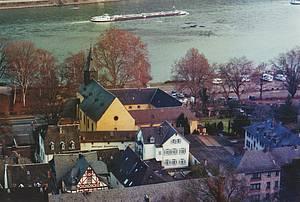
point(156, 116)
point(130, 170)
point(27, 174)
point(153, 96)
point(105, 136)
point(62, 163)
point(264, 161)
point(160, 133)
point(74, 175)
point(273, 134)
point(96, 99)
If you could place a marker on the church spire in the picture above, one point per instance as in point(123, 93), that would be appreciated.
point(87, 67)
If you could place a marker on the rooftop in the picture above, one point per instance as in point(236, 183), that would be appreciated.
point(272, 134)
point(105, 136)
point(263, 161)
point(153, 96)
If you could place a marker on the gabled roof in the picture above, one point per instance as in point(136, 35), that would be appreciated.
point(62, 163)
point(264, 161)
point(107, 136)
point(75, 174)
point(96, 99)
point(130, 169)
point(153, 96)
point(273, 134)
point(160, 133)
point(156, 116)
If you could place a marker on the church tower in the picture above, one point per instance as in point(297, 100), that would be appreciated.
point(89, 72)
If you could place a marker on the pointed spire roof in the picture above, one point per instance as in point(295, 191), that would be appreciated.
point(88, 60)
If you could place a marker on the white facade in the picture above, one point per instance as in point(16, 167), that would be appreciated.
point(173, 153)
point(252, 142)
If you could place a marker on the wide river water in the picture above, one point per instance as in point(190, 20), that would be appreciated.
point(257, 29)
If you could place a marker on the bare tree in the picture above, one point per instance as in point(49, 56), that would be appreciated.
point(289, 64)
point(257, 77)
point(218, 189)
point(232, 73)
point(193, 72)
point(23, 65)
point(73, 66)
point(3, 61)
point(122, 59)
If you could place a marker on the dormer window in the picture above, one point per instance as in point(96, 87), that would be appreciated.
point(51, 145)
point(152, 140)
point(62, 146)
point(72, 144)
point(61, 130)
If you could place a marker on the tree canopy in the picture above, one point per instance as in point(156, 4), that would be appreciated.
point(122, 59)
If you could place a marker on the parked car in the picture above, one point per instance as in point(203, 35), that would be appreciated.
point(267, 77)
point(217, 81)
point(246, 78)
point(280, 77)
point(251, 97)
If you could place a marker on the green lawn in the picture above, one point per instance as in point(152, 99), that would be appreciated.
point(216, 120)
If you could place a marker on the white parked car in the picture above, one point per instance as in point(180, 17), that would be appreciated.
point(217, 81)
point(280, 77)
point(246, 78)
point(267, 77)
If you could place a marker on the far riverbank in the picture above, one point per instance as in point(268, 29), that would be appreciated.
point(14, 4)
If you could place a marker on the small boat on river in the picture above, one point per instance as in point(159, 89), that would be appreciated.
point(295, 2)
point(108, 18)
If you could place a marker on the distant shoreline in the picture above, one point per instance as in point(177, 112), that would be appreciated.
point(19, 4)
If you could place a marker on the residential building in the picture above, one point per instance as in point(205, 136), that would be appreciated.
point(155, 116)
point(97, 140)
point(86, 176)
point(130, 170)
point(165, 144)
point(262, 170)
point(61, 138)
point(26, 176)
point(269, 134)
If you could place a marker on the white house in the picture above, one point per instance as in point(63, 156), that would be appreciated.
point(165, 144)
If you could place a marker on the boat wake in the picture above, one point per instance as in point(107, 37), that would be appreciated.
point(80, 22)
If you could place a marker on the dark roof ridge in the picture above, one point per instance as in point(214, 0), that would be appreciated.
point(153, 95)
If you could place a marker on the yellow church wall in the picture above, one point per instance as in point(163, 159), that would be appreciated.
point(116, 117)
point(138, 107)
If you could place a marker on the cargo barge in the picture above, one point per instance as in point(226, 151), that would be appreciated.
point(113, 18)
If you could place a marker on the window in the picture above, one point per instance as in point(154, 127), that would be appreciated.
point(269, 174)
point(276, 185)
point(116, 118)
point(255, 186)
point(61, 130)
point(268, 196)
point(174, 141)
point(62, 146)
point(174, 151)
point(138, 106)
point(247, 143)
point(51, 146)
point(88, 123)
point(159, 153)
point(72, 144)
point(152, 140)
point(174, 161)
point(182, 161)
point(268, 185)
point(130, 107)
point(168, 151)
point(277, 173)
point(92, 127)
point(182, 151)
point(167, 162)
point(178, 141)
point(256, 176)
point(89, 174)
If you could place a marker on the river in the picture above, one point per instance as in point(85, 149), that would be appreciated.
point(257, 29)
